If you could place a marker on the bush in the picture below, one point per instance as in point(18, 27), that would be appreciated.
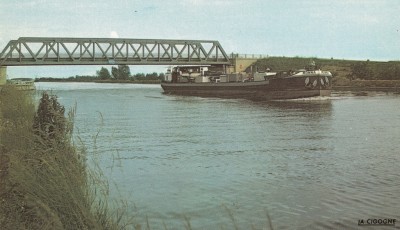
point(49, 122)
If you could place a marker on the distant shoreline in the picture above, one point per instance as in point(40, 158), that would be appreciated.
point(101, 81)
point(130, 82)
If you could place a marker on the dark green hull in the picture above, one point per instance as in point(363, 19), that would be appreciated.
point(273, 89)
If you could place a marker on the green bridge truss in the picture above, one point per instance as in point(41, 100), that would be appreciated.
point(30, 51)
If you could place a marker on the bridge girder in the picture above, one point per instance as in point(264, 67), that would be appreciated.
point(31, 51)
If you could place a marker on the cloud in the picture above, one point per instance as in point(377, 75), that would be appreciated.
point(114, 34)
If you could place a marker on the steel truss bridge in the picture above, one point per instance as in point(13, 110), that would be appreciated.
point(33, 51)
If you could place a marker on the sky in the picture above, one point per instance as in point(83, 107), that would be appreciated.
point(341, 29)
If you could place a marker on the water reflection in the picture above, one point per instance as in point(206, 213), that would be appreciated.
point(317, 106)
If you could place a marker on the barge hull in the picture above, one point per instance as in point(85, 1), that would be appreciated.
point(273, 89)
point(246, 91)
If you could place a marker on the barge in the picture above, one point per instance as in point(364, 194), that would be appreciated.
point(199, 81)
point(23, 83)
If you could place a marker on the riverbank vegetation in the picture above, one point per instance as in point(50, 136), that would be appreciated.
point(119, 74)
point(44, 179)
point(347, 73)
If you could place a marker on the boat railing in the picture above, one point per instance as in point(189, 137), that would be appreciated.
point(248, 56)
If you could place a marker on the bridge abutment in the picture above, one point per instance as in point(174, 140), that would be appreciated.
point(3, 75)
point(241, 64)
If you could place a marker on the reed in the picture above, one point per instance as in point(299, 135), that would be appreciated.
point(44, 180)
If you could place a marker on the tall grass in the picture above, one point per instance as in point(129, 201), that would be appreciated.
point(44, 181)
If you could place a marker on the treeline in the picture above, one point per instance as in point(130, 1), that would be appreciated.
point(350, 69)
point(121, 73)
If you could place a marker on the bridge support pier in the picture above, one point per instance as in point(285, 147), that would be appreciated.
point(241, 64)
point(3, 75)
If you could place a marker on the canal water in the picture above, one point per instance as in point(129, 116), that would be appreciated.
point(225, 163)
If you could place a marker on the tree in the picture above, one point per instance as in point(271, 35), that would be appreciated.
point(115, 72)
point(103, 74)
point(152, 76)
point(49, 122)
point(124, 72)
point(121, 73)
point(140, 76)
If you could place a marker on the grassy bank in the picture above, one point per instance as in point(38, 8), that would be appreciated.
point(348, 74)
point(44, 181)
point(352, 69)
